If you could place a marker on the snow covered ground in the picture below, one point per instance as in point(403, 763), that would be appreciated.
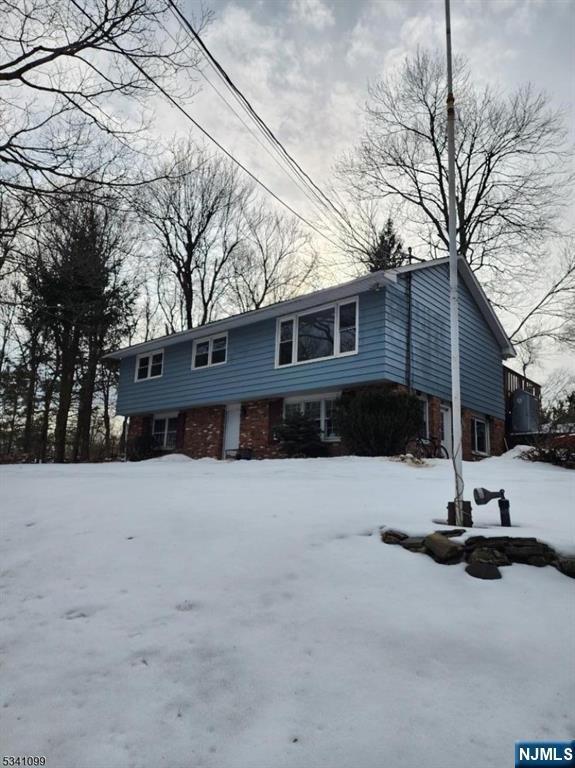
point(239, 615)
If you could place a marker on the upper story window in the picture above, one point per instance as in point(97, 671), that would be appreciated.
point(318, 334)
point(210, 351)
point(150, 366)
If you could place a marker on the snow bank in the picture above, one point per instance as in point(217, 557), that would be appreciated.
point(171, 458)
point(246, 615)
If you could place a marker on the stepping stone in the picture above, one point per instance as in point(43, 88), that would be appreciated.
point(483, 571)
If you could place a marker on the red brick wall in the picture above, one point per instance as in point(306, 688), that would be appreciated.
point(138, 426)
point(204, 432)
point(496, 436)
point(201, 430)
point(258, 417)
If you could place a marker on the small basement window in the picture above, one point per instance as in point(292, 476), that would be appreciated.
point(150, 366)
point(480, 435)
point(210, 351)
point(164, 432)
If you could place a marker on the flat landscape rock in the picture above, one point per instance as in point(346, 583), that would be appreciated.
point(390, 536)
point(414, 543)
point(488, 555)
point(566, 565)
point(443, 550)
point(483, 571)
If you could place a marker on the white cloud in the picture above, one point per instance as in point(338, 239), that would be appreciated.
point(313, 13)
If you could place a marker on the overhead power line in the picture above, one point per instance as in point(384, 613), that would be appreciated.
point(206, 133)
point(314, 189)
point(278, 159)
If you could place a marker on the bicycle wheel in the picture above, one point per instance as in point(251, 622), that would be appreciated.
point(416, 448)
point(441, 452)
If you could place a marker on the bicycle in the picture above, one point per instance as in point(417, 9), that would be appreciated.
point(426, 448)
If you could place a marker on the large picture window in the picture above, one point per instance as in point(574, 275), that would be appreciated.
point(319, 334)
point(210, 351)
point(321, 409)
point(150, 366)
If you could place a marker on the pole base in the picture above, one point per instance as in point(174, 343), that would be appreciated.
point(467, 519)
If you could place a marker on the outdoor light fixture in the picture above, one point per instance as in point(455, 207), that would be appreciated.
point(483, 496)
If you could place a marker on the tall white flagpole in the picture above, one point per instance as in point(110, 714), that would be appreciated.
point(453, 283)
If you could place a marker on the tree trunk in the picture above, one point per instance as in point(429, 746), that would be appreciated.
point(86, 401)
point(10, 442)
point(43, 447)
point(69, 357)
point(31, 394)
point(106, 415)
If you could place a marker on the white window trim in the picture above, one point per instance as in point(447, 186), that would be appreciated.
point(484, 420)
point(335, 306)
point(210, 340)
point(166, 416)
point(314, 398)
point(149, 355)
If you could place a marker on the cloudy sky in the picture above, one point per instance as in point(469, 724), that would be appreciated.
point(305, 66)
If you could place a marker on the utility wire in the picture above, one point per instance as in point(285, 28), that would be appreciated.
point(206, 133)
point(280, 161)
point(314, 188)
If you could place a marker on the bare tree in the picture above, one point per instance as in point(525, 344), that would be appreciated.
point(64, 63)
point(513, 169)
point(542, 302)
point(512, 160)
point(275, 262)
point(195, 214)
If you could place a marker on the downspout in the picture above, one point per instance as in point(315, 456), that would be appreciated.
point(408, 335)
point(126, 433)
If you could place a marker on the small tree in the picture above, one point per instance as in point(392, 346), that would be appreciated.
point(388, 251)
point(378, 421)
point(299, 436)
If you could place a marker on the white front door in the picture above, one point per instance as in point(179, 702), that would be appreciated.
point(445, 427)
point(232, 428)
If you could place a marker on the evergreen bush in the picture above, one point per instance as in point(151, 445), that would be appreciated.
point(378, 421)
point(299, 437)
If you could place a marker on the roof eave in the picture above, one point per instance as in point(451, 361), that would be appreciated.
point(372, 281)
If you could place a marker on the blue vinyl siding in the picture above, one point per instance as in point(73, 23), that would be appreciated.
point(250, 371)
point(481, 366)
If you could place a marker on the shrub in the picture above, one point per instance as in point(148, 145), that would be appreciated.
point(554, 449)
point(140, 448)
point(299, 436)
point(378, 421)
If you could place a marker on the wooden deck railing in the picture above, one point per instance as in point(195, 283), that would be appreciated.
point(513, 381)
